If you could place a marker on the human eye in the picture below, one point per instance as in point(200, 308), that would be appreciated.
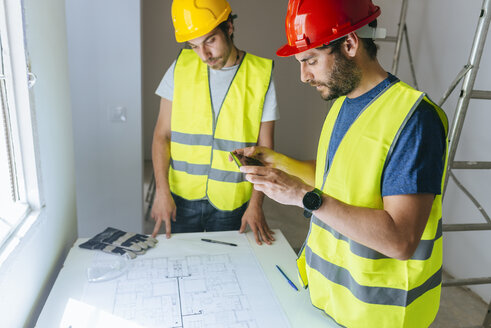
point(210, 40)
point(311, 62)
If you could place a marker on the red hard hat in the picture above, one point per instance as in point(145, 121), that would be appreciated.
point(312, 23)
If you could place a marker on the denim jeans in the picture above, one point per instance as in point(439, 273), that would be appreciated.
point(200, 215)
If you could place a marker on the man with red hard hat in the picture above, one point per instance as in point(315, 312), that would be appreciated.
point(215, 98)
point(373, 254)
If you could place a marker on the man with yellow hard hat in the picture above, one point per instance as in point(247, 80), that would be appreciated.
point(214, 98)
point(373, 255)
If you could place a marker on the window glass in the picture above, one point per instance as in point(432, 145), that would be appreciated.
point(16, 135)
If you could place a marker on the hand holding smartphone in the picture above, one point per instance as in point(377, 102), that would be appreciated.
point(242, 160)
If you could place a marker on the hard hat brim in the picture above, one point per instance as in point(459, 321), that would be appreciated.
point(287, 50)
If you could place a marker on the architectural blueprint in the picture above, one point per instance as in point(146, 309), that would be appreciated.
point(226, 290)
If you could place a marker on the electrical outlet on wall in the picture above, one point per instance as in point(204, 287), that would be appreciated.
point(118, 114)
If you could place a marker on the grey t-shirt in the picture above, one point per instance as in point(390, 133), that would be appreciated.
point(220, 81)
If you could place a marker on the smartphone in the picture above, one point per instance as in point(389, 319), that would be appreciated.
point(241, 160)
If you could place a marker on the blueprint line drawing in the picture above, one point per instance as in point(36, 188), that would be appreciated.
point(193, 291)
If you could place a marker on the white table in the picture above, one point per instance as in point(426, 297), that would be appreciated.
point(296, 305)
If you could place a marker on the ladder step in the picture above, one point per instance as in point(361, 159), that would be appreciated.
point(471, 165)
point(466, 282)
point(481, 94)
point(388, 39)
point(467, 227)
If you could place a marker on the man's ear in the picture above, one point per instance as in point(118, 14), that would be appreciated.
point(351, 44)
point(230, 28)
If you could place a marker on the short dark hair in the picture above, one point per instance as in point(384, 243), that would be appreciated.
point(335, 45)
point(224, 25)
point(368, 44)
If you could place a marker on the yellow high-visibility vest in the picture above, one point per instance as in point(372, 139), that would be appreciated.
point(200, 144)
point(353, 284)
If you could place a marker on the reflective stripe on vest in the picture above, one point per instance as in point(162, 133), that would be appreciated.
point(370, 294)
point(423, 251)
point(199, 166)
point(355, 285)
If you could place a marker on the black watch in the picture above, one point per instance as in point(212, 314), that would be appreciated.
point(311, 201)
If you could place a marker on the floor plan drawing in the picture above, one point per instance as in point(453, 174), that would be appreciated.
point(200, 291)
point(192, 291)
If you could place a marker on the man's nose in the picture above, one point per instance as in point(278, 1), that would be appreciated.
point(203, 53)
point(305, 74)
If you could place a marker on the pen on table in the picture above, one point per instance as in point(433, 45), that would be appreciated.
point(217, 242)
point(287, 279)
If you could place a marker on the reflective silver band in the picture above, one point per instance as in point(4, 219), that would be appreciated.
point(226, 176)
point(423, 252)
point(228, 145)
point(191, 139)
point(207, 140)
point(194, 169)
point(202, 169)
point(369, 294)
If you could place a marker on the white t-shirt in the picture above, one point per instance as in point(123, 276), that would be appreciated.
point(220, 81)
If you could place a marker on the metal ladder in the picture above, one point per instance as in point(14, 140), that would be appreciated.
point(468, 74)
point(398, 39)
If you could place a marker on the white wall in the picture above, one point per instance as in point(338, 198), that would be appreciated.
point(105, 74)
point(26, 278)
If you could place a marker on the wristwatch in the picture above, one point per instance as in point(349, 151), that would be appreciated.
point(311, 201)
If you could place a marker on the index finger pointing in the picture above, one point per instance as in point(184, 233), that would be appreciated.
point(156, 228)
point(167, 229)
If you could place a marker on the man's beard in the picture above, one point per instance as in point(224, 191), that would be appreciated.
point(218, 64)
point(344, 78)
point(222, 60)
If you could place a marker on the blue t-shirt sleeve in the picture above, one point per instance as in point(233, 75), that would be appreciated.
point(417, 162)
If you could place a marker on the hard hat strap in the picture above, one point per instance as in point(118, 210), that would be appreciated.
point(368, 32)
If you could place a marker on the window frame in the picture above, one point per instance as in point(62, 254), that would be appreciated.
point(18, 79)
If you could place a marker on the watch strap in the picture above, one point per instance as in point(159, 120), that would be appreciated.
point(307, 213)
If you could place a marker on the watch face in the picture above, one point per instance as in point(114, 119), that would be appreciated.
point(312, 201)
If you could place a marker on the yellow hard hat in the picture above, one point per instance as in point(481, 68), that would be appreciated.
point(195, 18)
